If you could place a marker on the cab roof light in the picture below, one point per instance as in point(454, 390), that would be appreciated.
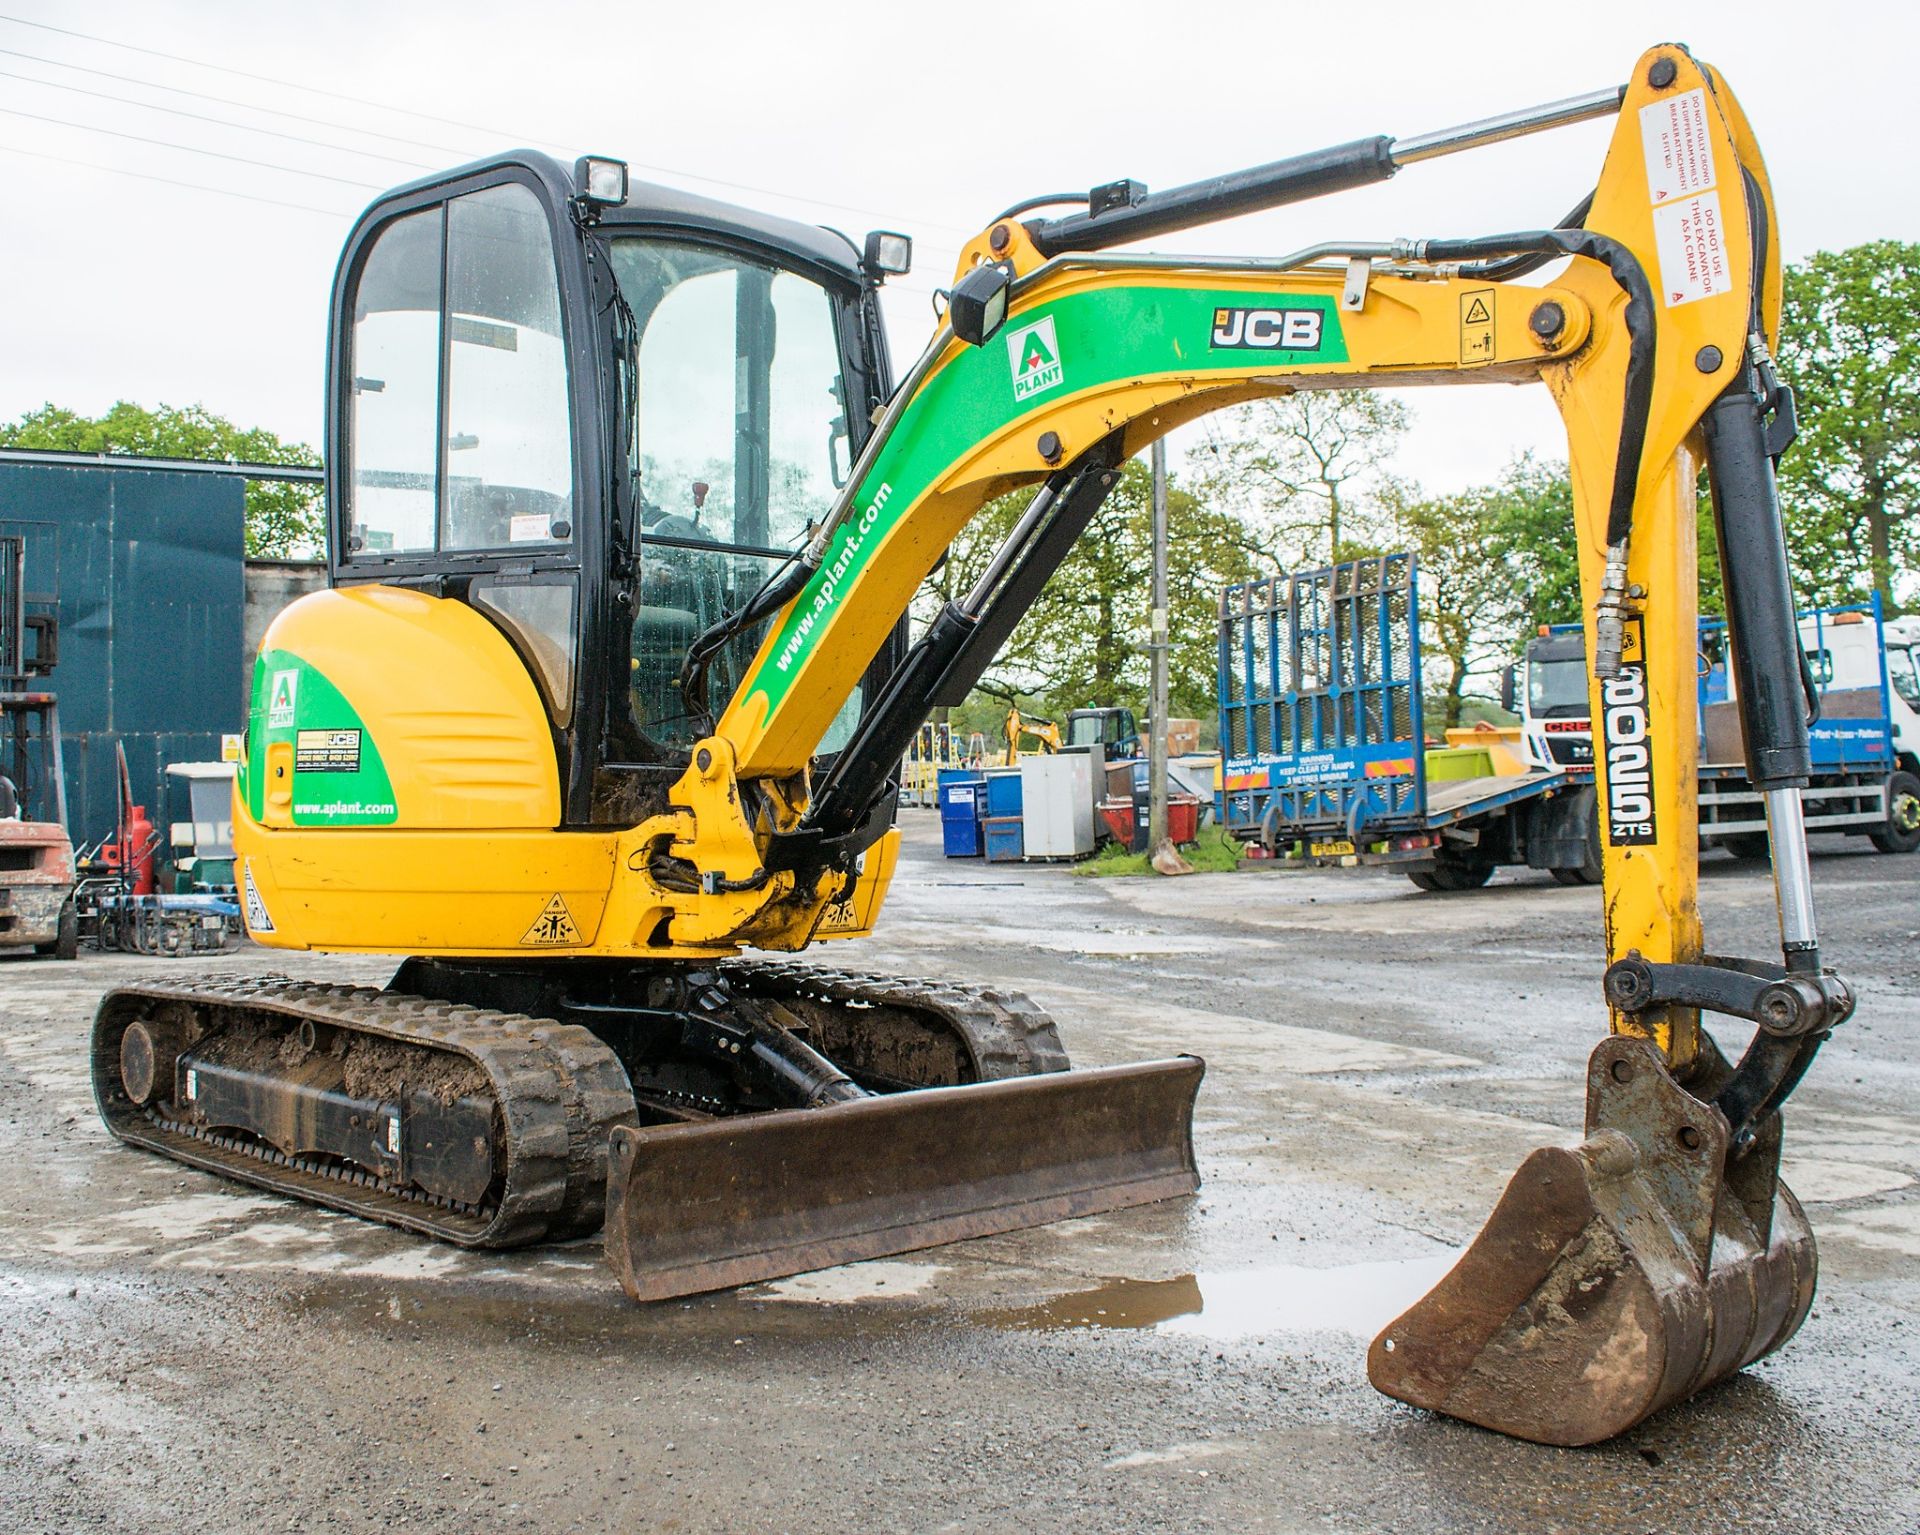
point(887, 255)
point(600, 182)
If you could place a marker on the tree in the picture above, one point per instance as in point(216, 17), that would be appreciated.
point(1529, 530)
point(1083, 642)
point(1293, 467)
point(1850, 347)
point(282, 520)
point(1468, 602)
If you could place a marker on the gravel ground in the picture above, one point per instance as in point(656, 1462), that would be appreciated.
point(183, 1353)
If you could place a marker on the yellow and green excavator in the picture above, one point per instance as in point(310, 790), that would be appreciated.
point(611, 682)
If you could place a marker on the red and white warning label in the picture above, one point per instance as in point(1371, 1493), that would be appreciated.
point(1692, 242)
point(1679, 150)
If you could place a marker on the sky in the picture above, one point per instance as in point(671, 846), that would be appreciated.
point(197, 269)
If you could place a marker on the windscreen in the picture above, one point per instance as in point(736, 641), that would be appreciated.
point(1557, 688)
point(740, 430)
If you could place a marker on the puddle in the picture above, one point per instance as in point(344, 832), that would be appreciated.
point(1356, 1298)
point(856, 1281)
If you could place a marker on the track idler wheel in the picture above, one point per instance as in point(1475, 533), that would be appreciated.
point(148, 1052)
point(1614, 1277)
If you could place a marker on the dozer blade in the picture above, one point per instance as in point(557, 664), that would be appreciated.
point(1614, 1277)
point(730, 1202)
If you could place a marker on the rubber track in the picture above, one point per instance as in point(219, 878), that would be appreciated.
point(1007, 1033)
point(559, 1093)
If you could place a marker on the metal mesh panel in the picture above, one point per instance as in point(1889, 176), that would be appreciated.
point(1319, 688)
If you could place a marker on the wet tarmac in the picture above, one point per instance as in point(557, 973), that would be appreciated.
point(180, 1353)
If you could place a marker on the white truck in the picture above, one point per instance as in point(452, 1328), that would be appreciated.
point(1866, 744)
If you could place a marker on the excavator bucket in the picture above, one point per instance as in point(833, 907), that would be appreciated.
point(1614, 1277)
point(697, 1207)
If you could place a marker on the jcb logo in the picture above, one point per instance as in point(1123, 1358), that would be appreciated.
point(1630, 820)
point(1268, 330)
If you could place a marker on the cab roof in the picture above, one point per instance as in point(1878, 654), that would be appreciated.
point(650, 204)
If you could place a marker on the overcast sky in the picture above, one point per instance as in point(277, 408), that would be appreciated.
point(118, 282)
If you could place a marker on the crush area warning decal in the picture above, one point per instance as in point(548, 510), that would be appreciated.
point(1476, 326)
point(553, 928)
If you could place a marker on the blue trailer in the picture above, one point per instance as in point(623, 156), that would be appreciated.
point(1324, 757)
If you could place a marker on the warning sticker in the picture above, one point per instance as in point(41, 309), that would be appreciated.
point(257, 919)
point(1679, 150)
point(1476, 326)
point(528, 528)
point(326, 751)
point(553, 927)
point(1692, 243)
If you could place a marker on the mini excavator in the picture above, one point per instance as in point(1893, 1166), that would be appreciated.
point(611, 682)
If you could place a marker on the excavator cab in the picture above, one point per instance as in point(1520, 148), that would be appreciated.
point(601, 421)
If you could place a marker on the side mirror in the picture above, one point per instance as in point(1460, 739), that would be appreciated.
point(977, 306)
point(1510, 689)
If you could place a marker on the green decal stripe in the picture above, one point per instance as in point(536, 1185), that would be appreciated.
point(360, 797)
point(1105, 336)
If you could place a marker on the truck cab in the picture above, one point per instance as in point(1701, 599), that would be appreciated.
point(1903, 682)
point(1113, 728)
point(1556, 730)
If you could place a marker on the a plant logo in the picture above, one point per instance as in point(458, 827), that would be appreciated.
point(1035, 355)
point(280, 697)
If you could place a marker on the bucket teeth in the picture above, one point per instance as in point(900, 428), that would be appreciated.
point(1614, 1277)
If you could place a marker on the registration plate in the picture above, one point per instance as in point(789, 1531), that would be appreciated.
point(1331, 849)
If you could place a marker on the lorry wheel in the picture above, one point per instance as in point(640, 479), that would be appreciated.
point(1464, 876)
point(1589, 871)
point(1902, 833)
point(1747, 846)
point(66, 942)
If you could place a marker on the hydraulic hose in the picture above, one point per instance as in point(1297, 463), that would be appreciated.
point(779, 589)
point(1626, 270)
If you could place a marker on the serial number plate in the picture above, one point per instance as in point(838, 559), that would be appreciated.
point(1331, 849)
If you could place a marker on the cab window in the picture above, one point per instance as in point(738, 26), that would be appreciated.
point(741, 441)
point(458, 435)
point(1904, 673)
